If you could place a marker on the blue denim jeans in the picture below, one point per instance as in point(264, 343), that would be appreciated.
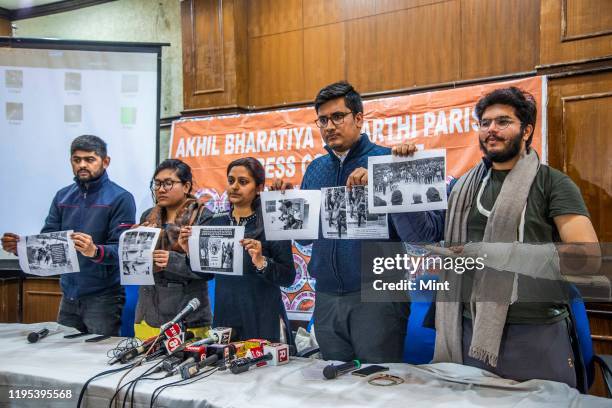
point(93, 314)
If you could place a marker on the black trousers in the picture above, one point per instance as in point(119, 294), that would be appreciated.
point(528, 352)
point(348, 329)
point(99, 314)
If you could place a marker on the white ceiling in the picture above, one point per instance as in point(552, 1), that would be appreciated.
point(17, 4)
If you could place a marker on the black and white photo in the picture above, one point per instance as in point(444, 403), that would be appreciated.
point(293, 214)
point(360, 222)
point(48, 254)
point(333, 212)
point(407, 184)
point(345, 215)
point(216, 250)
point(136, 248)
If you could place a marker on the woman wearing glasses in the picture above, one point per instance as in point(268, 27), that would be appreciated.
point(251, 304)
point(175, 284)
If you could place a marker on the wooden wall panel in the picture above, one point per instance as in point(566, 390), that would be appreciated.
point(270, 52)
point(321, 12)
point(207, 73)
point(214, 54)
point(5, 27)
point(41, 300)
point(583, 18)
point(9, 300)
point(240, 74)
point(411, 53)
point(267, 17)
point(276, 69)
point(324, 57)
point(498, 37)
point(588, 160)
point(385, 6)
point(581, 32)
point(362, 62)
point(579, 124)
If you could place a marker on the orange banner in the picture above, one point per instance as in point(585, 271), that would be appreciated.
point(286, 141)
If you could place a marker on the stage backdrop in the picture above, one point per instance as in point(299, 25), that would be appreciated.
point(286, 141)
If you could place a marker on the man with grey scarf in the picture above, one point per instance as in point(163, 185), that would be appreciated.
point(512, 208)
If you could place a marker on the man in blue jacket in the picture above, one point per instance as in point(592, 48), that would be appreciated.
point(98, 210)
point(345, 327)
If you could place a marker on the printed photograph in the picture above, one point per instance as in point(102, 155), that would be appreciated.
point(49, 252)
point(288, 214)
point(293, 214)
point(333, 212)
point(216, 249)
point(416, 183)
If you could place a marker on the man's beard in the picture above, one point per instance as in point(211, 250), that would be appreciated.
point(89, 176)
point(509, 153)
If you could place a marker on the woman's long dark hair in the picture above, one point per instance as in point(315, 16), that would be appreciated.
point(257, 171)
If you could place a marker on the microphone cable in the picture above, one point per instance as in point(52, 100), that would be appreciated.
point(142, 377)
point(115, 370)
point(132, 384)
point(136, 364)
point(123, 346)
point(157, 392)
point(128, 384)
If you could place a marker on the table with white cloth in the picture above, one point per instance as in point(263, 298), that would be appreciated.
point(56, 363)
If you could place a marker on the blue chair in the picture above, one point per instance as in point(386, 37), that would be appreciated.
point(211, 295)
point(583, 345)
point(420, 341)
point(129, 310)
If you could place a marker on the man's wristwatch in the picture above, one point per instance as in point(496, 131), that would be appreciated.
point(264, 266)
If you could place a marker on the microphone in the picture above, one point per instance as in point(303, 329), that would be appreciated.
point(162, 350)
point(189, 370)
point(221, 335)
point(179, 367)
point(241, 365)
point(130, 354)
point(332, 371)
point(204, 342)
point(35, 336)
point(169, 364)
point(191, 306)
point(279, 352)
point(224, 351)
point(171, 360)
point(197, 352)
point(216, 335)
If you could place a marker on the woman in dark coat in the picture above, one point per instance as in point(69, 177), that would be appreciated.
point(251, 304)
point(175, 284)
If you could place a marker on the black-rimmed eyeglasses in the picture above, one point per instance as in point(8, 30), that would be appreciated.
point(501, 123)
point(166, 184)
point(337, 119)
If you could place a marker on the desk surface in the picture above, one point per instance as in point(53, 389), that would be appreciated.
point(65, 364)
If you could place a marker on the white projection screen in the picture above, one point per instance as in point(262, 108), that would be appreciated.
point(52, 91)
